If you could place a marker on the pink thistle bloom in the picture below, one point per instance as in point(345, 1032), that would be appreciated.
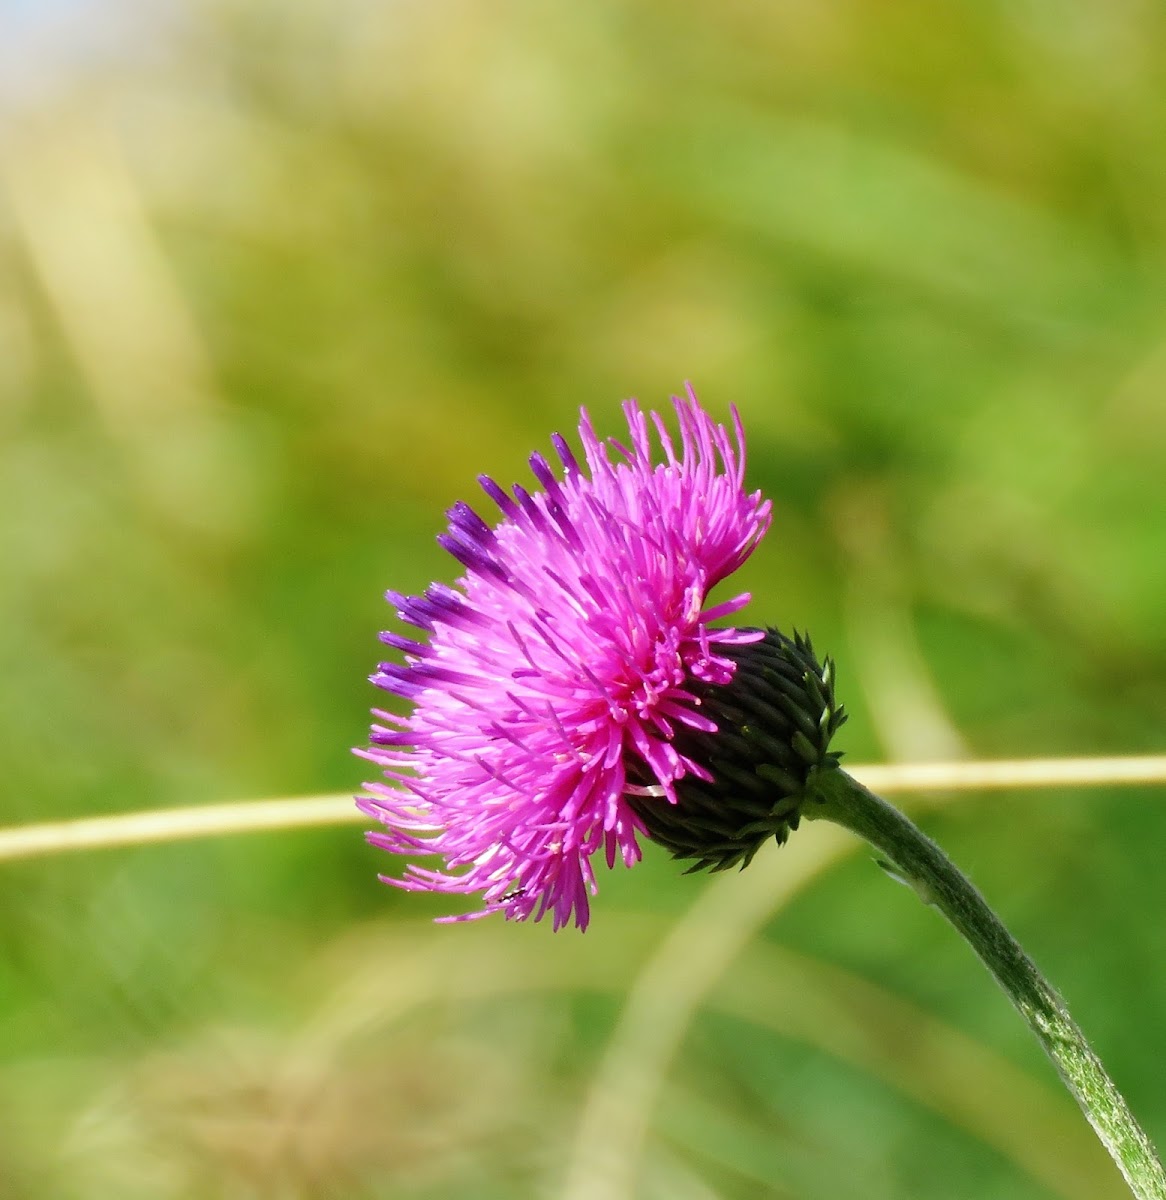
point(559, 669)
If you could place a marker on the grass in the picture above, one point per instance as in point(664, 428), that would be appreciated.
point(278, 285)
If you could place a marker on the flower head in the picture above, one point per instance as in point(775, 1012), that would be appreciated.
point(556, 678)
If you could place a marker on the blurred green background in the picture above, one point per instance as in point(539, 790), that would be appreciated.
point(278, 280)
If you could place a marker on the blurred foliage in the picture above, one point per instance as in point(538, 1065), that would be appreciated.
point(277, 281)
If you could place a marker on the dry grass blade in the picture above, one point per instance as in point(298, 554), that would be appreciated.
point(175, 824)
point(1000, 774)
point(256, 816)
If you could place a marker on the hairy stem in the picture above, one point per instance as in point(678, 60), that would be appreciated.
point(834, 796)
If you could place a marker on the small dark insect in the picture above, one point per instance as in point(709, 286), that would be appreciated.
point(513, 895)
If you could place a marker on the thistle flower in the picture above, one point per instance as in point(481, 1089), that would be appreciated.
point(573, 695)
point(561, 676)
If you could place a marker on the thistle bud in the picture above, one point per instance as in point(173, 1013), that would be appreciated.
point(775, 720)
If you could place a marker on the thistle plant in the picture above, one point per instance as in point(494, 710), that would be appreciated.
point(571, 694)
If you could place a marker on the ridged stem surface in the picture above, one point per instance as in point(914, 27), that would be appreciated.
point(834, 795)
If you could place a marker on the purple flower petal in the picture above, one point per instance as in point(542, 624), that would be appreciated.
point(557, 670)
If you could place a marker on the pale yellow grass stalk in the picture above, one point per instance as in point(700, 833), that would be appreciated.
point(254, 816)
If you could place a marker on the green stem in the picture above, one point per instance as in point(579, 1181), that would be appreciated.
point(835, 796)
